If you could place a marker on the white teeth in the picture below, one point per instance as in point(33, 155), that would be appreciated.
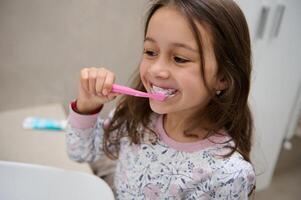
point(156, 89)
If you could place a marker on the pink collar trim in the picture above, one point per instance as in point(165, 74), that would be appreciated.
point(214, 140)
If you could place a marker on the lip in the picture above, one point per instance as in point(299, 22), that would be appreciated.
point(164, 86)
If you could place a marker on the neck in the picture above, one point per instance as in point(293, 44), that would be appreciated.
point(174, 125)
point(174, 122)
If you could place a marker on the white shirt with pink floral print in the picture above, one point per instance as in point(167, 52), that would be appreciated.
point(167, 169)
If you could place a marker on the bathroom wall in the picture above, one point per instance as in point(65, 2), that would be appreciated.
point(44, 44)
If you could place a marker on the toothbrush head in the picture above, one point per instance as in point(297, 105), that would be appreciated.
point(158, 96)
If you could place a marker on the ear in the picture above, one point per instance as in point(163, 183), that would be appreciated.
point(221, 83)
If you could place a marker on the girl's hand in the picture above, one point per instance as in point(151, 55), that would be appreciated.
point(94, 89)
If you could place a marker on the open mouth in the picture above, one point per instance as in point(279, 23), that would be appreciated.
point(169, 92)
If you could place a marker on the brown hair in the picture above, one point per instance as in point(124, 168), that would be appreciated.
point(229, 110)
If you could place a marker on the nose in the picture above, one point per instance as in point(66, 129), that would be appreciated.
point(159, 70)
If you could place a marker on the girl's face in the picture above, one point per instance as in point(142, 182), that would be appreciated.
point(171, 61)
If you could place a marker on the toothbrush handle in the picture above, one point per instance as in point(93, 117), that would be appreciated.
point(129, 91)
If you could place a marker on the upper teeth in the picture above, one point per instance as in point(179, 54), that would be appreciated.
point(157, 89)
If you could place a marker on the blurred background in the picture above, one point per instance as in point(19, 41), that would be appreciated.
point(44, 44)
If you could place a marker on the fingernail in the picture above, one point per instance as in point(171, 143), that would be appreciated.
point(104, 92)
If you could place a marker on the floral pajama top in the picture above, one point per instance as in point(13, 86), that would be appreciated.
point(167, 169)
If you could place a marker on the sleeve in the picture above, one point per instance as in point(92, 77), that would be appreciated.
point(235, 181)
point(84, 136)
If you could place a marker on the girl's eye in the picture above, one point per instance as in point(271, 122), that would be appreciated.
point(180, 60)
point(150, 53)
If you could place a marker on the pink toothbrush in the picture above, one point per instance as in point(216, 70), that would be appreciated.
point(129, 91)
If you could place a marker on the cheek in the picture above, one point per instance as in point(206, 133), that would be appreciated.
point(195, 88)
point(192, 79)
point(142, 70)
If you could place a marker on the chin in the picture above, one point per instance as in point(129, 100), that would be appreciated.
point(158, 107)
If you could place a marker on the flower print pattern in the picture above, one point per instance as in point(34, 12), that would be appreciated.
point(157, 171)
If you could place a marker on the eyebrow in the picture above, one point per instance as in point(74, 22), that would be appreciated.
point(181, 45)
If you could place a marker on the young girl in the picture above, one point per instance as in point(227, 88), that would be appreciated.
point(196, 143)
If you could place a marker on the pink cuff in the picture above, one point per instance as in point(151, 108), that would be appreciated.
point(81, 121)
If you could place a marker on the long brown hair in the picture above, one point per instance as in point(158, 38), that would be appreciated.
point(228, 110)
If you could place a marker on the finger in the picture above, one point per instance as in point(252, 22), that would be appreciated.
point(107, 86)
point(84, 78)
point(112, 95)
point(92, 80)
point(101, 76)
